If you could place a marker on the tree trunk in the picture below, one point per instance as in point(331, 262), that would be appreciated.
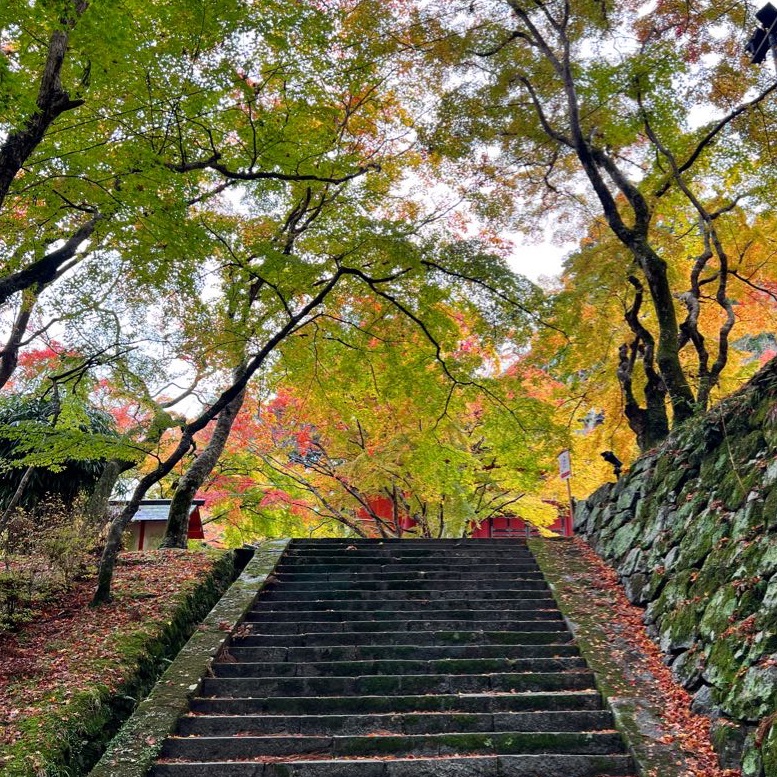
point(97, 506)
point(17, 497)
point(650, 424)
point(668, 350)
point(178, 517)
point(9, 356)
point(119, 524)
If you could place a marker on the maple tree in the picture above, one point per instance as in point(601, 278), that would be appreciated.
point(593, 298)
point(185, 190)
point(433, 424)
point(124, 158)
point(589, 109)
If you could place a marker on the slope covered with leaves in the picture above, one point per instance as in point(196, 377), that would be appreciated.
point(68, 679)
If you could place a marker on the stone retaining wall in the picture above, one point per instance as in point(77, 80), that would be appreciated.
point(692, 531)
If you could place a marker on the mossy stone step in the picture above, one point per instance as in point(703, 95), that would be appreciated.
point(403, 546)
point(229, 748)
point(450, 542)
point(544, 622)
point(395, 667)
point(402, 556)
point(533, 602)
point(547, 633)
point(547, 765)
point(449, 560)
point(587, 699)
point(394, 723)
point(448, 567)
point(409, 546)
point(399, 659)
point(397, 685)
point(379, 652)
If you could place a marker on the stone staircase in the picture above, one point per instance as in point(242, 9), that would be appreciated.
point(403, 658)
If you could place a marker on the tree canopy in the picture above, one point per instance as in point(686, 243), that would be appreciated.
point(210, 209)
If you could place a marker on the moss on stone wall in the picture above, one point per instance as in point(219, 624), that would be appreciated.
point(692, 531)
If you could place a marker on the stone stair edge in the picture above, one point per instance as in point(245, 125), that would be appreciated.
point(421, 638)
point(453, 766)
point(588, 699)
point(132, 751)
point(267, 723)
point(438, 744)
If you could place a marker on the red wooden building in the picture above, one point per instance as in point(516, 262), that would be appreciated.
point(513, 526)
point(147, 527)
point(495, 527)
point(383, 507)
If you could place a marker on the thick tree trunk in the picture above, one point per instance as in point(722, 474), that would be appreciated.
point(650, 424)
point(9, 356)
point(178, 517)
point(668, 349)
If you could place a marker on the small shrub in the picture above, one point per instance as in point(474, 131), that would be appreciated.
point(15, 600)
point(69, 546)
point(43, 553)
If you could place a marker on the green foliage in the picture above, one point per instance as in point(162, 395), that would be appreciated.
point(637, 131)
point(65, 441)
point(15, 600)
point(437, 419)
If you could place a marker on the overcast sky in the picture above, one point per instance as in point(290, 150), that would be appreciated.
point(535, 260)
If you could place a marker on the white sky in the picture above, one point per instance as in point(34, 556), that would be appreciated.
point(536, 260)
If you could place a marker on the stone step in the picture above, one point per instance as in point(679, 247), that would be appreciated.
point(232, 748)
point(410, 542)
point(586, 699)
point(399, 659)
point(453, 580)
point(547, 622)
point(391, 591)
point(382, 605)
point(451, 561)
point(545, 765)
point(544, 611)
point(394, 667)
point(275, 654)
point(553, 633)
point(404, 556)
point(393, 723)
point(450, 568)
point(360, 705)
point(397, 685)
